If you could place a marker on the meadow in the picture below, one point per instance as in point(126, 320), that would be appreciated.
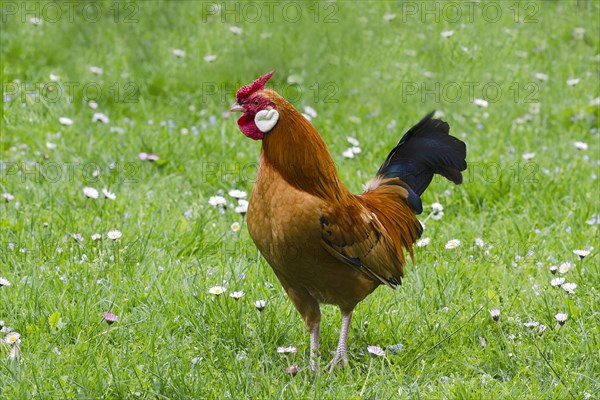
point(124, 179)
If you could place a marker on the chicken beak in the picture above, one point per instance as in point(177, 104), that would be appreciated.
point(235, 107)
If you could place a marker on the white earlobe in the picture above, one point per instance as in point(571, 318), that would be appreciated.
point(265, 120)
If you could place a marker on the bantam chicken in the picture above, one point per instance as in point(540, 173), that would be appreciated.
point(325, 244)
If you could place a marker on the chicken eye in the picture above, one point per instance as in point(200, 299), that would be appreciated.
point(256, 102)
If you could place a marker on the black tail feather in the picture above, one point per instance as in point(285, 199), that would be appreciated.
point(426, 149)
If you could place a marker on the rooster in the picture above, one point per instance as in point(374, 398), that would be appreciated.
point(325, 244)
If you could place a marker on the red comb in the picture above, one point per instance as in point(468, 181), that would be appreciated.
point(255, 86)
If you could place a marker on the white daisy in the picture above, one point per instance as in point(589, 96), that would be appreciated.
point(236, 295)
point(78, 237)
point(65, 121)
point(242, 207)
point(12, 338)
point(179, 53)
point(90, 192)
point(96, 70)
point(348, 153)
point(480, 103)
point(238, 194)
point(54, 78)
point(565, 267)
point(570, 287)
point(217, 290)
point(8, 197)
point(100, 117)
point(376, 350)
point(437, 207)
point(92, 104)
point(423, 242)
point(553, 269)
point(572, 81)
point(557, 281)
point(114, 234)
point(581, 253)
point(528, 156)
point(389, 17)
point(447, 34)
point(51, 145)
point(310, 111)
point(260, 304)
point(356, 149)
point(495, 314)
point(286, 349)
point(479, 242)
point(452, 244)
point(236, 30)
point(108, 195)
point(235, 226)
point(217, 201)
point(4, 282)
point(96, 236)
point(353, 141)
point(531, 324)
point(35, 21)
point(561, 318)
point(210, 58)
point(541, 76)
point(580, 145)
point(437, 215)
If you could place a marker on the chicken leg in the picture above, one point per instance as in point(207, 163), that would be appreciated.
point(341, 353)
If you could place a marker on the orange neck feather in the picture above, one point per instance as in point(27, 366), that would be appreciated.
point(296, 150)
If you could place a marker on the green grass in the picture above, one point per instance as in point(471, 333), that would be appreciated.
point(175, 340)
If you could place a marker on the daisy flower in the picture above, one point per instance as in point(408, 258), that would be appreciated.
point(96, 236)
point(452, 244)
point(553, 269)
point(210, 58)
point(12, 338)
point(100, 117)
point(376, 350)
point(78, 237)
point(54, 78)
point(4, 282)
point(260, 304)
point(311, 112)
point(581, 253)
point(242, 207)
point(217, 290)
point(92, 104)
point(580, 145)
point(437, 215)
point(479, 242)
point(217, 201)
point(572, 81)
point(437, 207)
point(235, 226)
point(114, 234)
point(65, 121)
point(423, 242)
point(96, 70)
point(557, 281)
point(8, 197)
point(528, 156)
point(236, 30)
point(108, 195)
point(238, 194)
point(288, 349)
point(480, 103)
point(348, 153)
point(110, 318)
point(561, 318)
point(447, 34)
point(531, 324)
point(565, 267)
point(90, 192)
point(352, 141)
point(179, 53)
point(236, 295)
point(495, 314)
point(569, 287)
point(541, 76)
